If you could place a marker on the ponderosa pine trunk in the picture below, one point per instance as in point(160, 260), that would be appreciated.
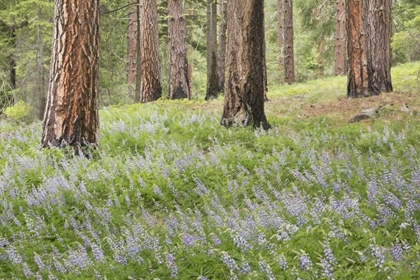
point(368, 46)
point(150, 85)
point(340, 39)
point(221, 69)
point(358, 83)
point(288, 50)
point(71, 115)
point(132, 43)
point(178, 69)
point(280, 38)
point(378, 35)
point(212, 79)
point(244, 88)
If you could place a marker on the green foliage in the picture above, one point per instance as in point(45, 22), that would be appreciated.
point(170, 186)
point(19, 112)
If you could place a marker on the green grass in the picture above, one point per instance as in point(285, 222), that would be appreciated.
point(171, 191)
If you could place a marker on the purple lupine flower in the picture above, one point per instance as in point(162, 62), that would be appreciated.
point(170, 262)
point(150, 221)
point(397, 252)
point(97, 252)
point(376, 252)
point(39, 262)
point(229, 261)
point(240, 241)
point(327, 269)
point(216, 241)
point(305, 261)
point(201, 189)
point(266, 269)
point(14, 256)
point(188, 239)
point(59, 266)
point(245, 268)
point(27, 271)
point(282, 262)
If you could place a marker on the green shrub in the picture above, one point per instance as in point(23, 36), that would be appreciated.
point(19, 112)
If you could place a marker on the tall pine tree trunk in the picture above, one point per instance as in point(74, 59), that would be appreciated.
point(212, 79)
point(132, 43)
point(191, 61)
point(289, 60)
point(221, 62)
point(71, 115)
point(280, 38)
point(340, 39)
point(244, 88)
point(369, 38)
point(378, 35)
point(178, 69)
point(150, 86)
point(358, 83)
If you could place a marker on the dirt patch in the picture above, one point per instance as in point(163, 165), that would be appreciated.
point(348, 107)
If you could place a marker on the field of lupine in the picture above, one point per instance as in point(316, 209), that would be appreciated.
point(172, 195)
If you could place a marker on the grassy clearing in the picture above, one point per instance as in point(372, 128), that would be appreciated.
point(171, 194)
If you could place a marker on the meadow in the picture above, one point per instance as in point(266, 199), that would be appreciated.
point(170, 194)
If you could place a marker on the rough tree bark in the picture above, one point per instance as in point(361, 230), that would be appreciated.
point(212, 80)
point(244, 88)
point(178, 69)
point(378, 35)
point(340, 39)
point(357, 84)
point(368, 46)
point(132, 40)
point(289, 61)
point(71, 115)
point(221, 69)
point(280, 38)
point(150, 87)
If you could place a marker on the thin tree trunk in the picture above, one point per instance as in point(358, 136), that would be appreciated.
point(358, 77)
point(280, 38)
point(191, 61)
point(212, 79)
point(150, 88)
point(378, 35)
point(178, 69)
point(71, 115)
point(222, 45)
point(340, 39)
point(244, 88)
point(132, 39)
point(41, 81)
point(289, 62)
point(138, 55)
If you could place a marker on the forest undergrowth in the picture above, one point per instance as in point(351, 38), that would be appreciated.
point(171, 194)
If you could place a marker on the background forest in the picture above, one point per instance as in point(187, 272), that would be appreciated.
point(26, 32)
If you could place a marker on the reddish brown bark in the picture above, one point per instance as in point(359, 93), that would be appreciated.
point(150, 85)
point(378, 35)
point(178, 70)
point(71, 115)
point(369, 37)
point(244, 88)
